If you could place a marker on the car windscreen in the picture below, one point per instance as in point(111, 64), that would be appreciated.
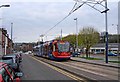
point(10, 61)
point(6, 58)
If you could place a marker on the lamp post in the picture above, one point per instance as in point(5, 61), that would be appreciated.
point(5, 41)
point(117, 37)
point(12, 37)
point(11, 30)
point(42, 37)
point(76, 35)
point(61, 34)
point(4, 6)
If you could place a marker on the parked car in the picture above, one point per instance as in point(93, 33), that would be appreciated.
point(112, 54)
point(98, 52)
point(7, 74)
point(12, 60)
point(75, 54)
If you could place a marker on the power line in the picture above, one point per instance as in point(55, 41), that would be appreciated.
point(73, 10)
point(56, 24)
point(73, 7)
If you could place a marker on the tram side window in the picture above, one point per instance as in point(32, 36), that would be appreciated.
point(50, 49)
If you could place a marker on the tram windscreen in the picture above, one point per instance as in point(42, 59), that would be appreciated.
point(63, 47)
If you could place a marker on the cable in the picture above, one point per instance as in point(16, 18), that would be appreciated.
point(65, 17)
point(56, 24)
point(79, 7)
point(73, 7)
point(61, 20)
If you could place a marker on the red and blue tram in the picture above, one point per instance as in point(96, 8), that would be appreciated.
point(55, 50)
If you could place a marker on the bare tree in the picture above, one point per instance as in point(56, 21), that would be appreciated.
point(88, 37)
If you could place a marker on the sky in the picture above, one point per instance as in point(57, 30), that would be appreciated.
point(32, 18)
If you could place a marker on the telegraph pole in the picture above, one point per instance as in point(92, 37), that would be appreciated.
point(11, 31)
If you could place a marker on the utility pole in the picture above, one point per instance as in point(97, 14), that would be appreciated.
point(42, 37)
point(119, 30)
point(61, 34)
point(106, 27)
point(12, 37)
point(118, 39)
point(95, 2)
point(106, 23)
point(76, 35)
point(11, 30)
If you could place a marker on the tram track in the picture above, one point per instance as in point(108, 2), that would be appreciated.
point(78, 78)
point(91, 71)
point(92, 67)
point(96, 64)
point(78, 63)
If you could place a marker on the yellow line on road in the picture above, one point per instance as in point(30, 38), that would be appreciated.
point(59, 70)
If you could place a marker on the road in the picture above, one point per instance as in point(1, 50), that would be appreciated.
point(35, 70)
point(91, 71)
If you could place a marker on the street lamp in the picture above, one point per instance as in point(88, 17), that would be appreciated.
point(4, 6)
point(76, 35)
point(5, 43)
point(42, 37)
point(11, 31)
point(117, 37)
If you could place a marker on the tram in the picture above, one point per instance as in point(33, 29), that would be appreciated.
point(55, 50)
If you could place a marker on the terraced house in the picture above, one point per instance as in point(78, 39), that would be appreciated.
point(5, 42)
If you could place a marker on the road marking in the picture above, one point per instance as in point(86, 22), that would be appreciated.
point(83, 69)
point(59, 70)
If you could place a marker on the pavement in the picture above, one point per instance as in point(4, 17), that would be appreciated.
point(96, 62)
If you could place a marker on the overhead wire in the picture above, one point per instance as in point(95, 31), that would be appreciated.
point(73, 10)
point(73, 7)
point(56, 24)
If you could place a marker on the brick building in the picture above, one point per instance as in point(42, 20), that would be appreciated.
point(24, 46)
point(5, 42)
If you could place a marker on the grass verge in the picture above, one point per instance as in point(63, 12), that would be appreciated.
point(114, 61)
point(91, 58)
